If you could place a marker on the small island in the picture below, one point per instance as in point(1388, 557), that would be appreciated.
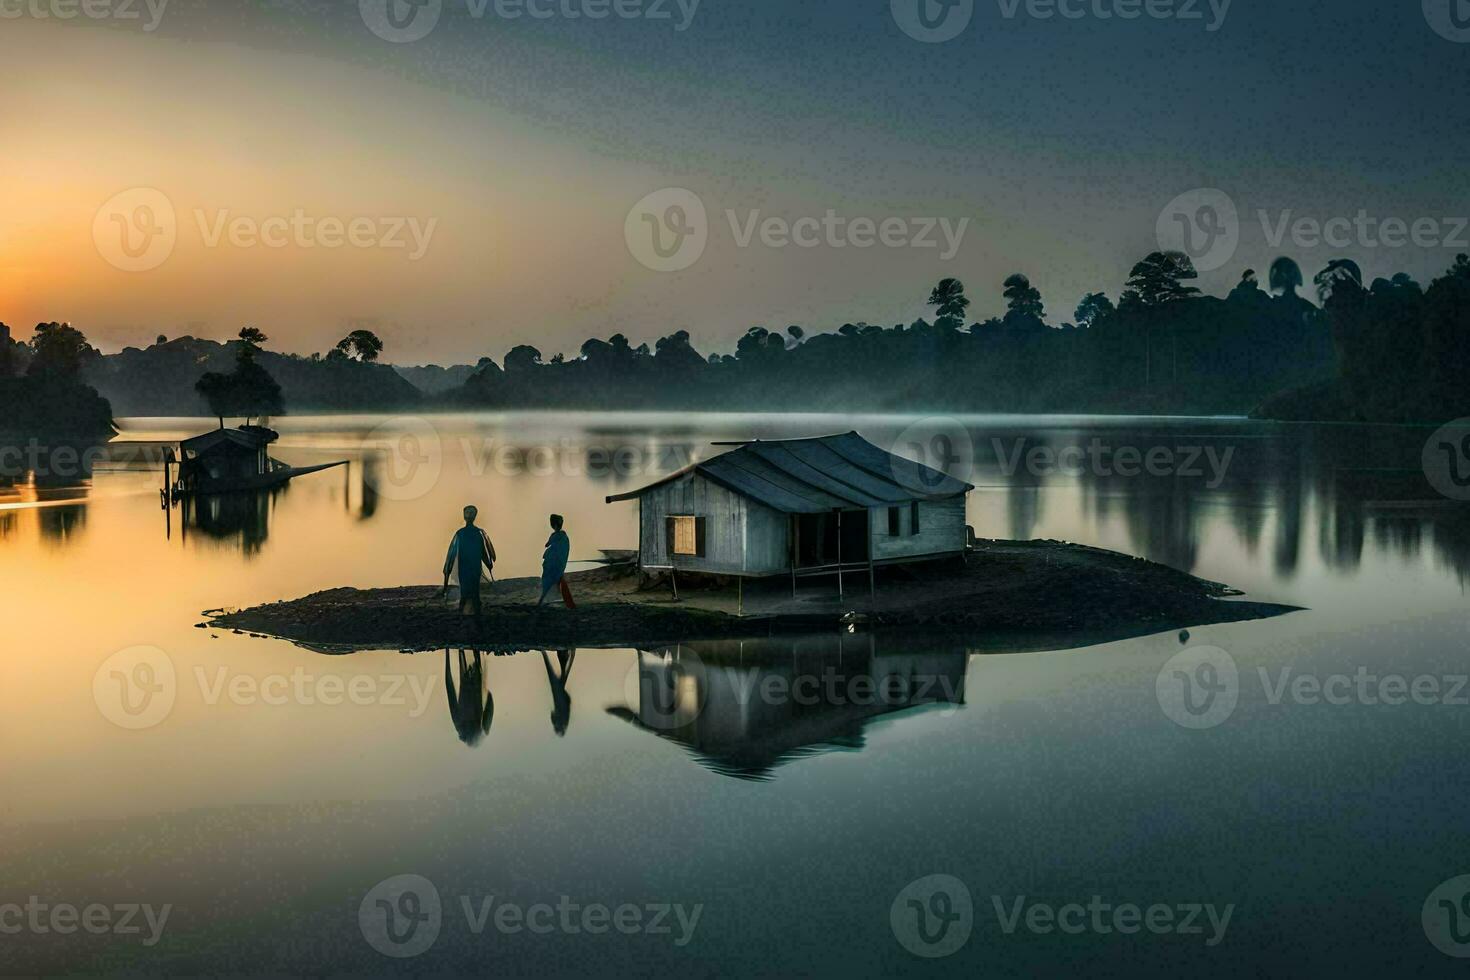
point(1054, 593)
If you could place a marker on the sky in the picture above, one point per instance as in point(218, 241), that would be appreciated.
point(311, 167)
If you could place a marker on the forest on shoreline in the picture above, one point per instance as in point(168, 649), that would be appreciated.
point(1389, 350)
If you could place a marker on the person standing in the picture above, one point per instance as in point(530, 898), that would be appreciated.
point(469, 549)
point(554, 563)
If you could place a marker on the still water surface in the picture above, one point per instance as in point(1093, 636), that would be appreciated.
point(282, 785)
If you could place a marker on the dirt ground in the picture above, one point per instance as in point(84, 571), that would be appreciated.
point(1010, 587)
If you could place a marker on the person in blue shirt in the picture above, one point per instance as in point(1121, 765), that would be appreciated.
point(469, 549)
point(554, 563)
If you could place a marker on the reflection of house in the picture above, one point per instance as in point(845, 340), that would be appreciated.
point(745, 707)
point(799, 505)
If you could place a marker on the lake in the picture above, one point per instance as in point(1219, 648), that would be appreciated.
point(227, 803)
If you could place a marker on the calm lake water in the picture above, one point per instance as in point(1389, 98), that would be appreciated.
point(271, 797)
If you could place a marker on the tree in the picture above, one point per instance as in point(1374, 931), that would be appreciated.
point(1094, 309)
point(58, 350)
point(1285, 277)
point(253, 337)
point(1339, 272)
point(363, 345)
point(1022, 299)
point(522, 359)
point(249, 390)
point(160, 340)
point(1159, 278)
point(950, 303)
point(796, 334)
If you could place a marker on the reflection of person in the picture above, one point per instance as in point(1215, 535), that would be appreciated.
point(469, 548)
point(472, 708)
point(554, 564)
point(561, 701)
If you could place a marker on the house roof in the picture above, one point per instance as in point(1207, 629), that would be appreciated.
point(812, 476)
point(246, 437)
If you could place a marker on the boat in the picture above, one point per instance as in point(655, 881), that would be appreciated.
point(231, 461)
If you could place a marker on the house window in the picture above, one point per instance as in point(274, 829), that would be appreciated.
point(914, 517)
point(893, 522)
point(684, 536)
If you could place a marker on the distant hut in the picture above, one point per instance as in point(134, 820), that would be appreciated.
point(225, 457)
point(800, 507)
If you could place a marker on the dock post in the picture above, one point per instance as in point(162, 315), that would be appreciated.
point(740, 593)
point(839, 553)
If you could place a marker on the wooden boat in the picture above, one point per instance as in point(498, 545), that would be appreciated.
point(231, 461)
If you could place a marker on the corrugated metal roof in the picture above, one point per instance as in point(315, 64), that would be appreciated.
point(811, 476)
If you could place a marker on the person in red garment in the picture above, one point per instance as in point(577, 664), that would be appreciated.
point(554, 564)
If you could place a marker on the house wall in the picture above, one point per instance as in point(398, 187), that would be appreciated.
point(941, 530)
point(740, 535)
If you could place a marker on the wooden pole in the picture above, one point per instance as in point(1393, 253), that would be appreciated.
point(839, 552)
point(795, 550)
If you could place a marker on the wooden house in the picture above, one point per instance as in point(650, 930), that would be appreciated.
point(797, 507)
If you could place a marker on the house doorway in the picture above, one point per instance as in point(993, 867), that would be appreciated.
point(816, 539)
